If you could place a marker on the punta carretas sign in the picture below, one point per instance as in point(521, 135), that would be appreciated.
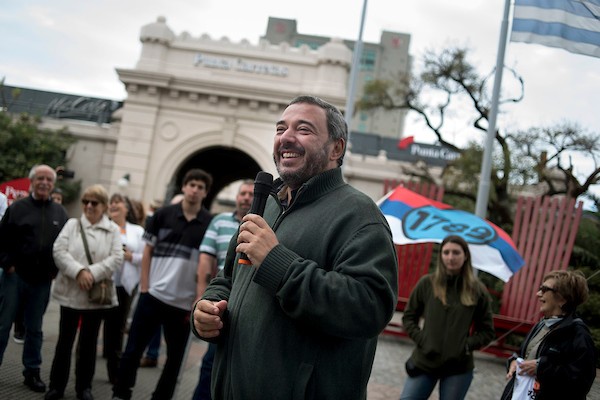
point(239, 64)
point(432, 154)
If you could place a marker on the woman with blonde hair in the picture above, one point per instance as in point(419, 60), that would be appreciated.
point(95, 237)
point(451, 300)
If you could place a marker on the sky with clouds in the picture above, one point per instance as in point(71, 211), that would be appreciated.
point(75, 46)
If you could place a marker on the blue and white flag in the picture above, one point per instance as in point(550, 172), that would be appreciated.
point(573, 25)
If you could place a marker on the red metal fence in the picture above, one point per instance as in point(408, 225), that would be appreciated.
point(544, 232)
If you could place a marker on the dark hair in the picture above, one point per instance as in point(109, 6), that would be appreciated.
point(572, 286)
point(336, 124)
point(198, 174)
point(131, 214)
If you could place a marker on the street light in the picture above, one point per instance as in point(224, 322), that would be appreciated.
point(123, 182)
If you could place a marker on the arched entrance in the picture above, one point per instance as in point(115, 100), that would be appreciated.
point(226, 165)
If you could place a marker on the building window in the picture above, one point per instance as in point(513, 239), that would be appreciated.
point(312, 45)
point(367, 60)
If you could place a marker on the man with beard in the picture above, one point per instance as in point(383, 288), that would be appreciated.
point(302, 321)
point(212, 258)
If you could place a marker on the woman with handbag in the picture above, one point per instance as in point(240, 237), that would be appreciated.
point(557, 360)
point(457, 311)
point(86, 252)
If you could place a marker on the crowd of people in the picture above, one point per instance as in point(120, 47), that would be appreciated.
point(299, 318)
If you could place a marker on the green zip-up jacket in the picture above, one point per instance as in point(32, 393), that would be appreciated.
point(444, 346)
point(304, 325)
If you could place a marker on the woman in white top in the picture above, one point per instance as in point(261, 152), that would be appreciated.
point(126, 278)
point(75, 278)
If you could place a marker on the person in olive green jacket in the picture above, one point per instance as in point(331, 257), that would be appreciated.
point(450, 300)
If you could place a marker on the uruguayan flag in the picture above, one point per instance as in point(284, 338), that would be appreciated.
point(567, 24)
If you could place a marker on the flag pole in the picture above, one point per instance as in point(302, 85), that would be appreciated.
point(483, 192)
point(354, 72)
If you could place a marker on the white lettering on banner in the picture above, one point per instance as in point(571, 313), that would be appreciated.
point(433, 152)
point(239, 65)
point(13, 194)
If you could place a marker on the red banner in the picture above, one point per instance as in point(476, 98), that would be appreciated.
point(15, 189)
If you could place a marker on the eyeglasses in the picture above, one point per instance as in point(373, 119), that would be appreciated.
point(94, 203)
point(544, 289)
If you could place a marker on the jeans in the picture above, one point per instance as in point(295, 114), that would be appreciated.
point(202, 391)
point(151, 313)
point(35, 297)
point(154, 345)
point(453, 387)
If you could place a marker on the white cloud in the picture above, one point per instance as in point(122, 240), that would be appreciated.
point(74, 46)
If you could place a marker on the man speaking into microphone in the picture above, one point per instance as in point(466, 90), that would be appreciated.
point(301, 319)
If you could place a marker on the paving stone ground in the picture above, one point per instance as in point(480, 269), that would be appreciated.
point(386, 381)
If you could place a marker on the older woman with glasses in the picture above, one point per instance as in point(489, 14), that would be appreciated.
point(557, 358)
point(75, 278)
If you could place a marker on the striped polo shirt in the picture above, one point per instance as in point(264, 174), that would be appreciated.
point(218, 235)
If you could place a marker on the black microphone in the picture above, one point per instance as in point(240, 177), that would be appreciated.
point(262, 187)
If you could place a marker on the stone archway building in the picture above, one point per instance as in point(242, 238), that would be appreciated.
point(192, 96)
point(210, 103)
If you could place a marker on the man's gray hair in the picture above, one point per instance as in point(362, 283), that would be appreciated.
point(336, 124)
point(33, 171)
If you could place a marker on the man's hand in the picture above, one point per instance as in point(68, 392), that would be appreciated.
point(85, 279)
point(207, 318)
point(256, 239)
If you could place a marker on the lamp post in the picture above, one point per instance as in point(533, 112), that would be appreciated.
point(123, 183)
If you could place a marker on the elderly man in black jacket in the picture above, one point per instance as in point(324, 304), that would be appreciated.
point(27, 233)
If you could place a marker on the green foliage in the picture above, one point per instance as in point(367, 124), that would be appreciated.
point(447, 85)
point(70, 189)
point(586, 258)
point(587, 243)
point(24, 143)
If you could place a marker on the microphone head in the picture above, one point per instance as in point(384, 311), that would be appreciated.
point(263, 183)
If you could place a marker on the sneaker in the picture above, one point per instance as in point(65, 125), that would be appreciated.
point(19, 339)
point(148, 363)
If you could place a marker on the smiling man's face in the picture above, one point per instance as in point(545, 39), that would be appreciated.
point(302, 147)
